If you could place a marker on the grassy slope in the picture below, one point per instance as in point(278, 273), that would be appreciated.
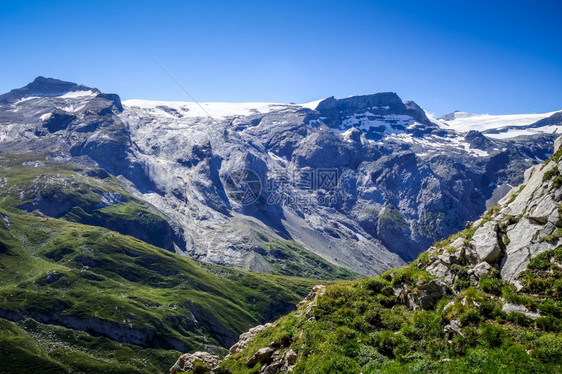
point(66, 274)
point(75, 193)
point(362, 326)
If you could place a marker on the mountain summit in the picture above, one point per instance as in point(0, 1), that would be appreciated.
point(376, 115)
point(45, 87)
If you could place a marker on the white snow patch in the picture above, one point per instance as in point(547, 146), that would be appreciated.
point(73, 94)
point(215, 110)
point(465, 122)
point(45, 116)
point(312, 105)
point(539, 130)
point(282, 159)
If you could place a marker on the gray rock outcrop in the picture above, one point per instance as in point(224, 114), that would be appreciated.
point(190, 361)
point(524, 224)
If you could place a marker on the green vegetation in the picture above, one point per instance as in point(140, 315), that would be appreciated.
point(78, 194)
point(31, 347)
point(392, 216)
point(289, 258)
point(366, 326)
point(82, 298)
point(554, 175)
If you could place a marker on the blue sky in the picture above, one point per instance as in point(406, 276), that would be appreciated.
point(482, 57)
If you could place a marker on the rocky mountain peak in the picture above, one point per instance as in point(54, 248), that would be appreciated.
point(376, 115)
point(477, 140)
point(45, 87)
point(359, 102)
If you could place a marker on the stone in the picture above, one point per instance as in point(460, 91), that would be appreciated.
point(519, 257)
point(263, 355)
point(291, 357)
point(319, 289)
point(186, 362)
point(516, 308)
point(457, 243)
point(485, 241)
point(441, 271)
point(454, 327)
point(481, 269)
point(247, 337)
point(428, 295)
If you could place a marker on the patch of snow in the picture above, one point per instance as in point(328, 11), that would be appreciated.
point(465, 122)
point(282, 159)
point(534, 131)
point(216, 110)
point(70, 95)
point(45, 116)
point(312, 105)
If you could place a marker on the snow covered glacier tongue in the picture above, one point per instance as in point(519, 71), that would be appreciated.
point(403, 179)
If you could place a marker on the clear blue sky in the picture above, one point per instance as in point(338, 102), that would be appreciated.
point(483, 57)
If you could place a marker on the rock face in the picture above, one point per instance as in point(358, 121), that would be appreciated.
point(486, 242)
point(366, 182)
point(499, 245)
point(428, 295)
point(189, 362)
point(524, 224)
point(247, 337)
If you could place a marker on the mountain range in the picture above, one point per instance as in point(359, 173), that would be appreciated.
point(127, 229)
point(364, 183)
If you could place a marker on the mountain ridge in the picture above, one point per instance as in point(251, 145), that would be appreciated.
point(395, 177)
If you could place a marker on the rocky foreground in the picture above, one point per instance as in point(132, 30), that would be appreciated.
point(487, 299)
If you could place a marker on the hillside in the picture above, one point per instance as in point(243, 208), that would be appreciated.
point(488, 299)
point(76, 295)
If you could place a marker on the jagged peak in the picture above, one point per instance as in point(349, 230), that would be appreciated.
point(51, 87)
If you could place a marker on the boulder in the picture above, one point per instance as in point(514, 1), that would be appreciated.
point(516, 308)
point(485, 242)
point(441, 271)
point(481, 269)
point(247, 337)
point(187, 362)
point(454, 327)
point(428, 295)
point(263, 355)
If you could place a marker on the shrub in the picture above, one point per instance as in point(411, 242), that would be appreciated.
point(548, 323)
point(492, 335)
point(490, 285)
point(460, 284)
point(548, 175)
point(470, 317)
point(519, 318)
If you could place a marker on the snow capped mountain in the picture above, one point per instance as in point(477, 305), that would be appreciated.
point(365, 182)
point(503, 126)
